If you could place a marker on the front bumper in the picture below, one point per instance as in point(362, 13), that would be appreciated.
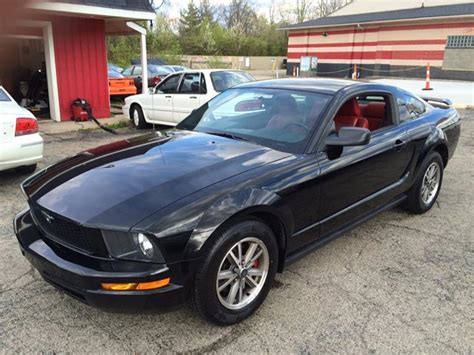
point(84, 283)
point(126, 111)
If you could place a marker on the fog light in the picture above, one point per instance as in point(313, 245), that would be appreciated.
point(136, 286)
point(119, 287)
point(145, 245)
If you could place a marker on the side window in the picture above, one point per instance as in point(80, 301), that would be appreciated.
point(371, 111)
point(169, 85)
point(128, 71)
point(409, 107)
point(137, 71)
point(190, 84)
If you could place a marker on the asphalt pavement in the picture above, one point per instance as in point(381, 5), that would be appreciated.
point(398, 283)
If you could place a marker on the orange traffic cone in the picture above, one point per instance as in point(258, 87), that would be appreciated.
point(428, 78)
point(354, 73)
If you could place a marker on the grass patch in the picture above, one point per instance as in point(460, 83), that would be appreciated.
point(118, 125)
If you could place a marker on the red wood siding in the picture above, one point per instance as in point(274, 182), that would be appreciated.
point(81, 64)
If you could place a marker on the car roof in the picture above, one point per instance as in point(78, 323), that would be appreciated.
point(328, 86)
point(211, 70)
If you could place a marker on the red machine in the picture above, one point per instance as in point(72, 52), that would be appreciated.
point(82, 111)
point(79, 110)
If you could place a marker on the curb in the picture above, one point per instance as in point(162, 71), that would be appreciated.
point(52, 127)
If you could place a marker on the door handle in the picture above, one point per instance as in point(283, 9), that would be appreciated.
point(193, 97)
point(168, 97)
point(400, 144)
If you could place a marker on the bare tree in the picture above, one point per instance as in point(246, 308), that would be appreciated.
point(158, 4)
point(327, 7)
point(239, 15)
point(271, 12)
point(304, 9)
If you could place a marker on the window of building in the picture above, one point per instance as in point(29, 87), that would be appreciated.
point(460, 42)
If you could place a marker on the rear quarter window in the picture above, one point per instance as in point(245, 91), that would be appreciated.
point(3, 96)
point(409, 107)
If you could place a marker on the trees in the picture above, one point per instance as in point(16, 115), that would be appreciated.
point(234, 29)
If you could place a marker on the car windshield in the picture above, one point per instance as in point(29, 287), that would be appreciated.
point(3, 96)
point(113, 74)
point(223, 80)
point(275, 118)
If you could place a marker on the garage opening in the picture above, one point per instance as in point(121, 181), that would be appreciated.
point(24, 73)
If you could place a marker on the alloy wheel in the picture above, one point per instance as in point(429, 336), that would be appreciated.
point(242, 273)
point(431, 182)
point(136, 118)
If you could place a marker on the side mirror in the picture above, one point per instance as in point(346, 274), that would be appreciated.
point(349, 136)
point(151, 91)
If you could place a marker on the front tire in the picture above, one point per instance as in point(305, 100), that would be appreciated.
point(27, 169)
point(237, 273)
point(138, 118)
point(424, 192)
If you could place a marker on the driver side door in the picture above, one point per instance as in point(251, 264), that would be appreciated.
point(360, 179)
point(163, 99)
point(188, 97)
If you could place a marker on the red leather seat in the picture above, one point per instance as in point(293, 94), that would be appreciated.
point(375, 114)
point(350, 115)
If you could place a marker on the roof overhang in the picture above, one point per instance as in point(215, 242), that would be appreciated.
point(87, 10)
point(378, 22)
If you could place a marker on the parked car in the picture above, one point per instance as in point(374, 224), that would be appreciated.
point(179, 94)
point(176, 68)
point(21, 146)
point(253, 180)
point(156, 73)
point(115, 67)
point(120, 85)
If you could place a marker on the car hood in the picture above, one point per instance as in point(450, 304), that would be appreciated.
point(118, 185)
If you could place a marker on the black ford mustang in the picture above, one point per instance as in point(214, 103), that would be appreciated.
point(210, 211)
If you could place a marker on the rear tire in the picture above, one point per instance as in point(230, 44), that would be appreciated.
point(243, 283)
point(138, 118)
point(27, 169)
point(424, 192)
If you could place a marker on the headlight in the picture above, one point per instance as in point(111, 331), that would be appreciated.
point(132, 246)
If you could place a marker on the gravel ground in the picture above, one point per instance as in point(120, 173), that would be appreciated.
point(399, 283)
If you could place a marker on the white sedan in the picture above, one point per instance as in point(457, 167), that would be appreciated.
point(21, 146)
point(179, 94)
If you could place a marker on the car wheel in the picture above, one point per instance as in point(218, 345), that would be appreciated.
point(137, 116)
point(27, 169)
point(422, 196)
point(237, 272)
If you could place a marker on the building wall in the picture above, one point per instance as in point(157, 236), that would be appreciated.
point(377, 48)
point(81, 64)
point(459, 59)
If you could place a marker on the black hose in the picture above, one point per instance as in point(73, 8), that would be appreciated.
point(87, 108)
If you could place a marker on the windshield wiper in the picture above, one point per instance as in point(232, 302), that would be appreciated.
point(231, 136)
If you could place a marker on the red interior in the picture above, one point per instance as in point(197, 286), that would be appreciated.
point(350, 115)
point(375, 114)
point(353, 114)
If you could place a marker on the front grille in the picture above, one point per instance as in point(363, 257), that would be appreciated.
point(67, 233)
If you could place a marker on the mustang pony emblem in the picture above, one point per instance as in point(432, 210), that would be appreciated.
point(48, 217)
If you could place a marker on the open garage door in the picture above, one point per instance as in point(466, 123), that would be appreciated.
point(27, 69)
